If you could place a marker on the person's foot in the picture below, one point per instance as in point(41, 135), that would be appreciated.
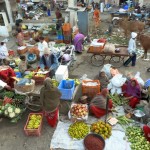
point(132, 65)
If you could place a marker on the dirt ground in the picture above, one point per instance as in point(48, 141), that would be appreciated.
point(12, 135)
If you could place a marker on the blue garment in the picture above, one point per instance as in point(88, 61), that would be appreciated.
point(50, 62)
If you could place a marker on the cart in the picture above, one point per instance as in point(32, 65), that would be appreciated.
point(116, 59)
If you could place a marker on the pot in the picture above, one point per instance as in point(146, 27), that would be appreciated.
point(138, 113)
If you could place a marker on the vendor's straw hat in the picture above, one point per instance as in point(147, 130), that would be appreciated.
point(133, 35)
point(47, 51)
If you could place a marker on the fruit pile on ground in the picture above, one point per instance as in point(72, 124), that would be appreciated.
point(79, 111)
point(102, 129)
point(34, 121)
point(135, 135)
point(78, 130)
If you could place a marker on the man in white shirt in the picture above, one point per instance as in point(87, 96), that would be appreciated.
point(42, 45)
point(132, 50)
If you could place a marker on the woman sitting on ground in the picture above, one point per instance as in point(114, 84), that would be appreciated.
point(20, 38)
point(50, 100)
point(132, 91)
point(98, 104)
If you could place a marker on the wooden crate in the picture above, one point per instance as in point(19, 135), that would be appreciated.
point(33, 132)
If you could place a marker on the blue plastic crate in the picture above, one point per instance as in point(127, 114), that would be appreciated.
point(66, 87)
point(60, 37)
point(18, 74)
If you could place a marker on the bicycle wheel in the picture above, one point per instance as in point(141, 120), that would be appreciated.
point(97, 60)
point(116, 61)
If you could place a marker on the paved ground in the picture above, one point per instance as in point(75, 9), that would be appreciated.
point(12, 135)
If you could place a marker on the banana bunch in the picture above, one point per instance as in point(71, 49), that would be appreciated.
point(77, 82)
point(34, 121)
point(29, 76)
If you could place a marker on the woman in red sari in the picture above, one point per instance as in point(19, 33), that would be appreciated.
point(50, 100)
point(146, 130)
point(98, 104)
point(132, 91)
point(96, 17)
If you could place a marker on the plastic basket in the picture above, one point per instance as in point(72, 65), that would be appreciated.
point(18, 74)
point(67, 87)
point(33, 132)
point(90, 91)
point(60, 37)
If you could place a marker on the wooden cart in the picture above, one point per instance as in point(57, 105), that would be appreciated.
point(116, 59)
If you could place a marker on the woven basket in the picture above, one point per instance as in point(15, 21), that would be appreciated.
point(25, 88)
point(23, 51)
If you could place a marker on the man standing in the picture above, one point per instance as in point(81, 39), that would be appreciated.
point(132, 50)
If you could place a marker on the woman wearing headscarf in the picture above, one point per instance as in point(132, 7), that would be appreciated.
point(132, 91)
point(98, 104)
point(50, 100)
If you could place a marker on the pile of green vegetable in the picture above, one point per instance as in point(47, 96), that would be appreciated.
point(118, 100)
point(59, 45)
point(78, 130)
point(135, 135)
point(123, 120)
point(11, 112)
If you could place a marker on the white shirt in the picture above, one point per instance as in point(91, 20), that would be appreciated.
point(41, 47)
point(19, 17)
point(132, 46)
point(3, 51)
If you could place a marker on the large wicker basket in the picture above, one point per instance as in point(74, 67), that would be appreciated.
point(25, 88)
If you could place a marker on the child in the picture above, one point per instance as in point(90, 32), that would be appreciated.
point(66, 57)
point(23, 64)
point(102, 77)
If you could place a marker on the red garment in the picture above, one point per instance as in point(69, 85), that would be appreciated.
point(52, 118)
point(146, 130)
point(133, 101)
point(99, 112)
point(5, 75)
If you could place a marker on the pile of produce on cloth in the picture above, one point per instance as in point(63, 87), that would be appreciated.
point(77, 81)
point(55, 83)
point(124, 121)
point(118, 100)
point(24, 81)
point(79, 111)
point(34, 121)
point(12, 105)
point(136, 137)
point(101, 128)
point(78, 130)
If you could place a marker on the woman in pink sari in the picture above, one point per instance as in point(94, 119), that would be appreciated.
point(20, 38)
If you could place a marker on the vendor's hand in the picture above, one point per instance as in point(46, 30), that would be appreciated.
point(8, 87)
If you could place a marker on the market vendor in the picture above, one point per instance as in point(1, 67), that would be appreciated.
point(3, 52)
point(6, 74)
point(20, 38)
point(59, 19)
point(78, 41)
point(22, 66)
point(98, 104)
point(36, 36)
point(49, 61)
point(96, 17)
point(132, 91)
point(104, 81)
point(42, 45)
point(19, 18)
point(50, 100)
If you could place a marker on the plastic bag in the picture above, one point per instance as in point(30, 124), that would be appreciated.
point(118, 80)
point(106, 69)
point(139, 79)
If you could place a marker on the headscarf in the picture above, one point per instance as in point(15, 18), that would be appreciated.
point(104, 92)
point(133, 90)
point(49, 96)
